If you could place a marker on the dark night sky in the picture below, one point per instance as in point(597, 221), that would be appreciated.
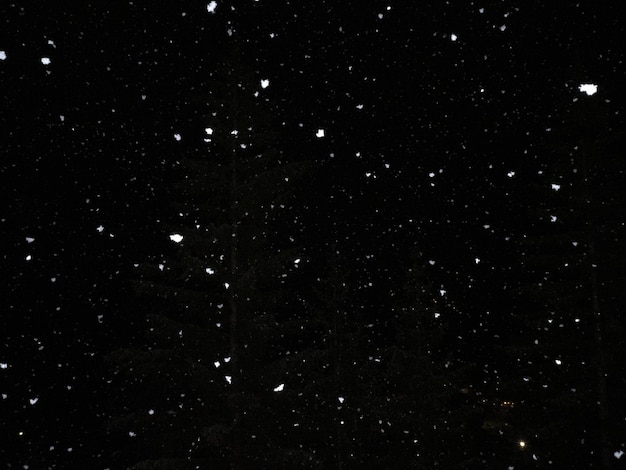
point(440, 121)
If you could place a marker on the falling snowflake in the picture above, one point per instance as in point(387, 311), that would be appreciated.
point(588, 88)
point(176, 238)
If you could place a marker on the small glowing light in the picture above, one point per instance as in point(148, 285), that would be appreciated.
point(320, 133)
point(522, 444)
point(265, 83)
point(176, 238)
point(280, 388)
point(453, 37)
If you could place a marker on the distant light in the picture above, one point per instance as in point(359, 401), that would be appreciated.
point(208, 130)
point(265, 83)
point(211, 7)
point(588, 88)
point(176, 238)
point(556, 187)
point(280, 388)
point(558, 362)
point(618, 454)
point(320, 133)
point(45, 60)
point(3, 55)
point(229, 379)
point(177, 137)
point(32, 401)
point(522, 444)
point(453, 37)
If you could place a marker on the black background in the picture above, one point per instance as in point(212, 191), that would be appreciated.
point(88, 141)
